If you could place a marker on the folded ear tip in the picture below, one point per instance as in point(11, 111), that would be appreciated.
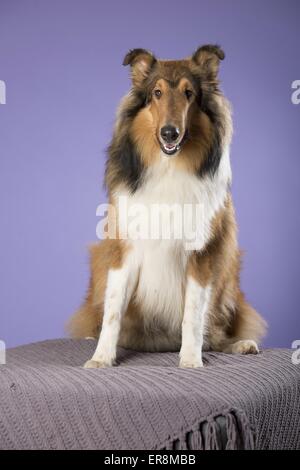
point(129, 57)
point(125, 60)
point(211, 48)
point(220, 53)
point(132, 54)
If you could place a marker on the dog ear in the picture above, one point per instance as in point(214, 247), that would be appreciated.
point(208, 58)
point(141, 62)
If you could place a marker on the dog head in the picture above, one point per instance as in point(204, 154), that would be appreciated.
point(173, 92)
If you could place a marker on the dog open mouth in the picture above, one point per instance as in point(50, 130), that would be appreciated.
point(170, 149)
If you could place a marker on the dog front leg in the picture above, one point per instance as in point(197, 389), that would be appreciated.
point(195, 310)
point(119, 289)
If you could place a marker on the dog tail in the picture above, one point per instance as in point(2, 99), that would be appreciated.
point(248, 322)
point(85, 322)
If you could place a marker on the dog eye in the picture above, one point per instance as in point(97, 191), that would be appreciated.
point(188, 94)
point(157, 93)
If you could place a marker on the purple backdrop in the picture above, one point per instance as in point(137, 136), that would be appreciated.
point(61, 61)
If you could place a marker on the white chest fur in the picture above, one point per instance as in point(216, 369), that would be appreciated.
point(162, 262)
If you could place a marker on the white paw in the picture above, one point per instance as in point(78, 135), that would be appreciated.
point(190, 361)
point(92, 364)
point(245, 346)
point(190, 364)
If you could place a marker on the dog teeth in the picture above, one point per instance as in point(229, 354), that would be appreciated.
point(171, 148)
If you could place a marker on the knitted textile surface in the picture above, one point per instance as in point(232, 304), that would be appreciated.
point(49, 401)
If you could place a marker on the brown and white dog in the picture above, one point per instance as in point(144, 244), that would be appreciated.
point(170, 146)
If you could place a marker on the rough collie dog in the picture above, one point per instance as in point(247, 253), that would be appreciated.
point(170, 147)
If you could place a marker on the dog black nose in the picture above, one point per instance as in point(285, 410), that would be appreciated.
point(169, 134)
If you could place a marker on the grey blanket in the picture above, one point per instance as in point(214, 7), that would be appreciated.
point(48, 401)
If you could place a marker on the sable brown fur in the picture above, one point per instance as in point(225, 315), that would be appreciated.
point(134, 150)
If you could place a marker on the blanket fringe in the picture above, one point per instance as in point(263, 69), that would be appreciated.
point(246, 431)
point(211, 439)
point(205, 435)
